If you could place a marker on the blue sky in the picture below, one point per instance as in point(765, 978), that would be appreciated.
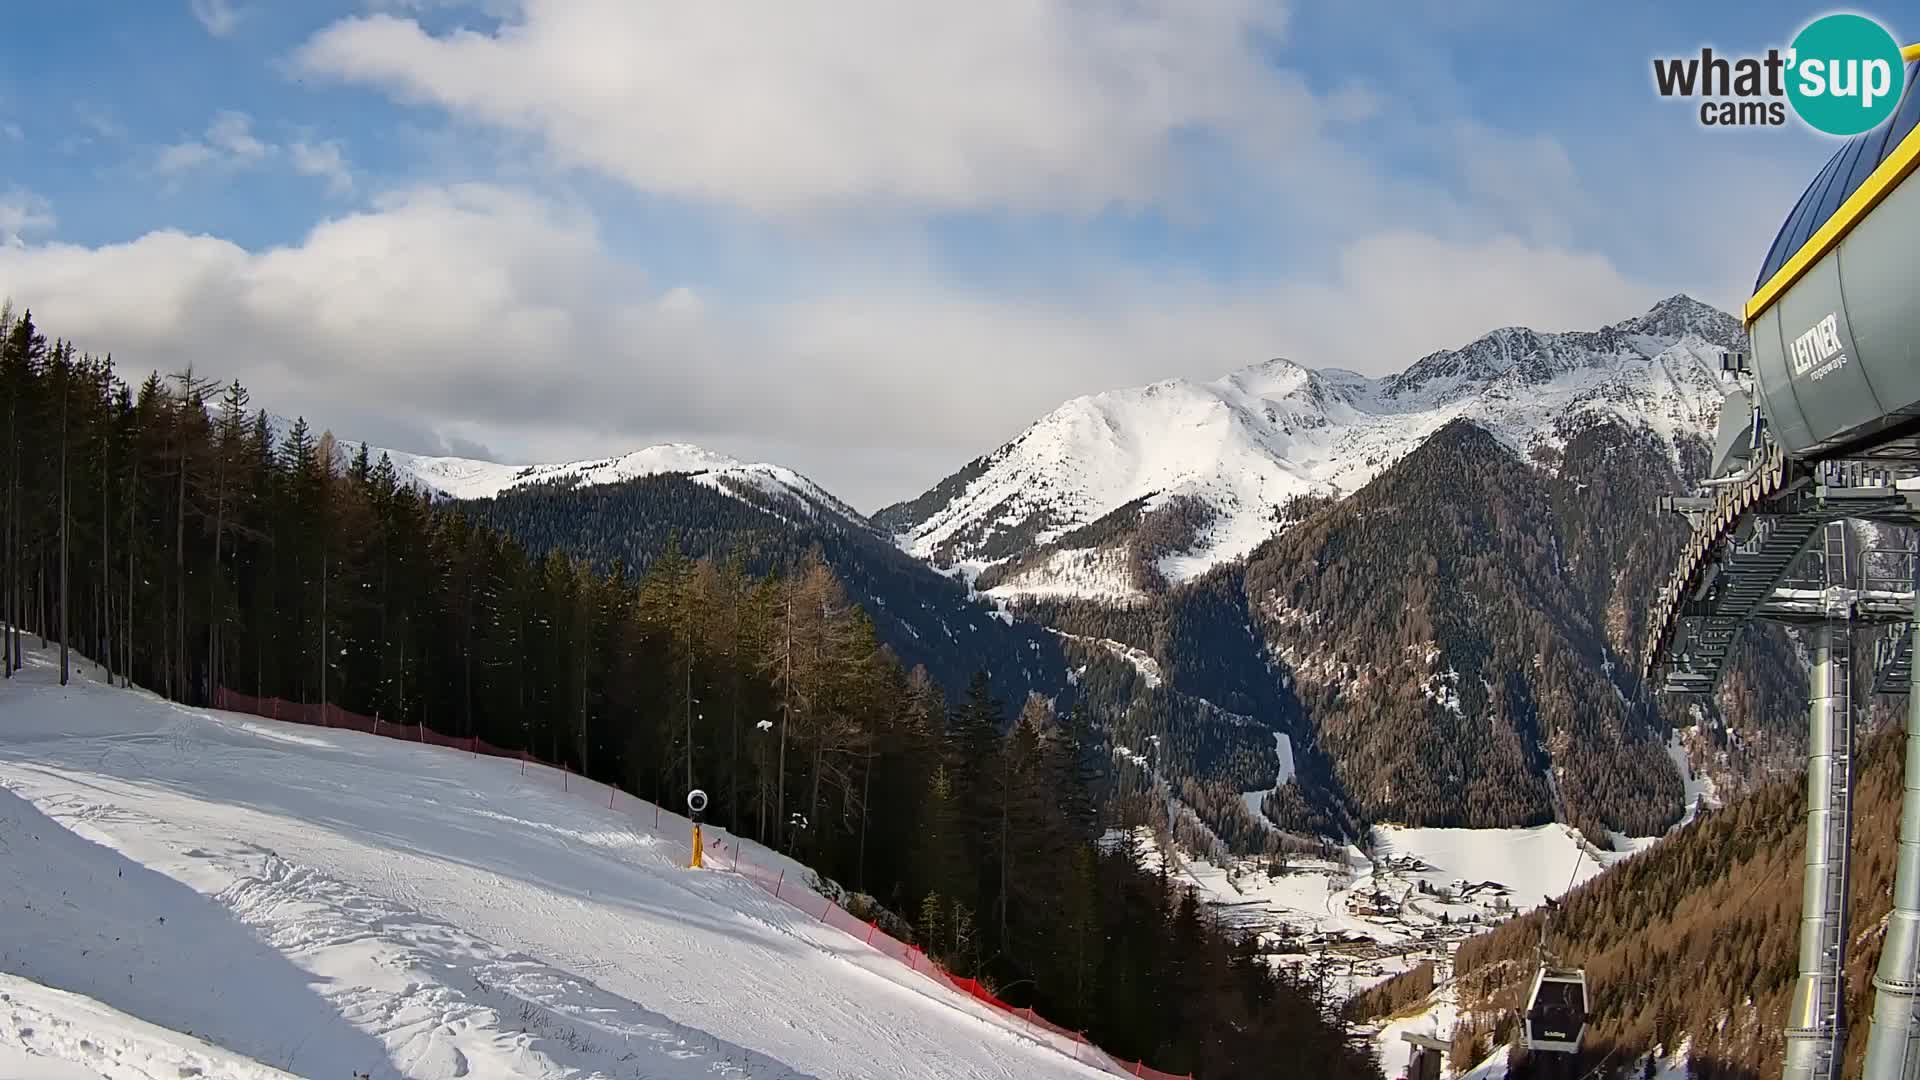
point(868, 239)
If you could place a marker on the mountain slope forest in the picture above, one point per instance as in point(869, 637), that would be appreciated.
point(1455, 669)
point(166, 532)
point(1452, 645)
point(1489, 614)
point(1697, 939)
point(927, 619)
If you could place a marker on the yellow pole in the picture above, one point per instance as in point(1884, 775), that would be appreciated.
point(696, 847)
point(1910, 53)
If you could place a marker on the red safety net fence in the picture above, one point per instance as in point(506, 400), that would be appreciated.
point(724, 856)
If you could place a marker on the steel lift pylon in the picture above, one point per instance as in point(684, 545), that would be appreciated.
point(1816, 1021)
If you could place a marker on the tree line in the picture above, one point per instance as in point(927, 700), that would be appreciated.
point(174, 536)
point(926, 618)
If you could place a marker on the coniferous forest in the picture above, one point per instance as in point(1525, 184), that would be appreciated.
point(167, 533)
point(1694, 939)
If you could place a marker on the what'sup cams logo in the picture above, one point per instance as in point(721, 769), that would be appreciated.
point(1842, 75)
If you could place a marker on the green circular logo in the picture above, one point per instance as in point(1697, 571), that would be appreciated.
point(1845, 74)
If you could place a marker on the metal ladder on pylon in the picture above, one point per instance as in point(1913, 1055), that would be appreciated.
point(1833, 951)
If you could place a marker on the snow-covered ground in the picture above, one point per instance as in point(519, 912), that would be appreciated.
point(326, 902)
point(1494, 1068)
point(48, 1034)
point(1283, 756)
point(1435, 1021)
point(1358, 921)
point(1533, 864)
point(1078, 574)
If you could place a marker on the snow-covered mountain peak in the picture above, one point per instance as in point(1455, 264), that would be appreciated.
point(1241, 446)
point(1680, 315)
point(1518, 356)
point(1278, 375)
point(470, 478)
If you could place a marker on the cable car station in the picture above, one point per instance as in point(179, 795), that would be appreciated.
point(1819, 436)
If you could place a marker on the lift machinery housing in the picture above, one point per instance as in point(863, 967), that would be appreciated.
point(1822, 432)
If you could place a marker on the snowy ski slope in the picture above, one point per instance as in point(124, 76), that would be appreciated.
point(322, 902)
point(48, 1034)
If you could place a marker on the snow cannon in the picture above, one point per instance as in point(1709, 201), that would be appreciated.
point(1557, 1017)
point(1833, 325)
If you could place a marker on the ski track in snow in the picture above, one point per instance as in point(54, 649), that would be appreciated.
point(1283, 752)
point(324, 901)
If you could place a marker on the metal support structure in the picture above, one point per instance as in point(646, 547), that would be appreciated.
point(1739, 570)
point(1893, 1040)
point(1816, 1021)
point(1825, 444)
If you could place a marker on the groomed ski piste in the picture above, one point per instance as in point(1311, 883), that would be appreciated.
point(186, 892)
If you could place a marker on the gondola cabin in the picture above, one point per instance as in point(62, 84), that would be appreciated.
point(1557, 1011)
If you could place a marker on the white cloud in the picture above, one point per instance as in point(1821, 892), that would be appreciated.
point(184, 157)
point(681, 300)
point(779, 106)
point(1528, 183)
point(929, 364)
point(232, 133)
point(1401, 294)
point(99, 120)
point(323, 159)
point(230, 145)
point(489, 314)
point(455, 294)
point(98, 124)
point(496, 8)
point(22, 213)
point(220, 17)
point(496, 316)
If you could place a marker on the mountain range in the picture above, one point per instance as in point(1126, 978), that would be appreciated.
point(469, 478)
point(1430, 583)
point(1234, 452)
point(1043, 514)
